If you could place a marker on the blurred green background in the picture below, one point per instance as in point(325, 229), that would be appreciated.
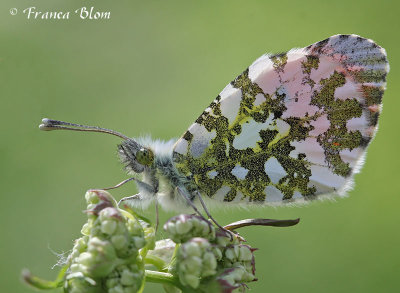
point(151, 69)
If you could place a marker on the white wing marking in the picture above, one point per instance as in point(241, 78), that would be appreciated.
point(239, 172)
point(230, 102)
point(273, 194)
point(250, 135)
point(201, 139)
point(274, 170)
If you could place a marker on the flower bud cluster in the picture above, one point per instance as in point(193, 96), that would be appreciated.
point(195, 261)
point(117, 245)
point(235, 258)
point(207, 258)
point(107, 256)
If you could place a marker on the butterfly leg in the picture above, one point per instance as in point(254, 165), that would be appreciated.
point(134, 197)
point(139, 199)
point(189, 201)
point(142, 184)
point(212, 219)
point(157, 216)
point(119, 184)
point(147, 189)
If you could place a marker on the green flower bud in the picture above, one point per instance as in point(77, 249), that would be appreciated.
point(110, 213)
point(119, 241)
point(192, 248)
point(108, 227)
point(191, 280)
point(230, 254)
point(128, 278)
point(134, 227)
point(81, 243)
point(193, 264)
point(86, 229)
point(85, 258)
point(139, 242)
point(91, 197)
point(224, 238)
point(245, 253)
point(116, 289)
point(217, 252)
point(210, 264)
point(130, 290)
point(75, 267)
point(91, 206)
point(100, 258)
point(95, 230)
point(170, 227)
point(112, 282)
point(233, 278)
point(184, 227)
point(125, 278)
point(96, 196)
point(78, 283)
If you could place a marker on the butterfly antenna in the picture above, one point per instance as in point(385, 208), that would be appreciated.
point(49, 124)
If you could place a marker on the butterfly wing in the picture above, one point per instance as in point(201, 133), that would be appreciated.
point(292, 126)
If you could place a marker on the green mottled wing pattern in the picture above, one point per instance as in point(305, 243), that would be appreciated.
point(292, 126)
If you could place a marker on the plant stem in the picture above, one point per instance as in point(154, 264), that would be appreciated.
point(39, 283)
point(155, 261)
point(161, 277)
point(166, 278)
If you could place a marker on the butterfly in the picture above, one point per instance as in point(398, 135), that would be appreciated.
point(292, 127)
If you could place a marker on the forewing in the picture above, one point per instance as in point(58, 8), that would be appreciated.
point(292, 126)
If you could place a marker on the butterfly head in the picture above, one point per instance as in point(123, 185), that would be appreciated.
point(134, 156)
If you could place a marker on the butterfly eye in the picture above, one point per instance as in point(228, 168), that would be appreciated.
point(145, 156)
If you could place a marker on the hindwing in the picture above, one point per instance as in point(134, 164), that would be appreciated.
point(292, 126)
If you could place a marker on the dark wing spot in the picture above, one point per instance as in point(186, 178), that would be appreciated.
point(188, 136)
point(320, 45)
point(278, 55)
point(278, 114)
point(344, 37)
point(365, 140)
